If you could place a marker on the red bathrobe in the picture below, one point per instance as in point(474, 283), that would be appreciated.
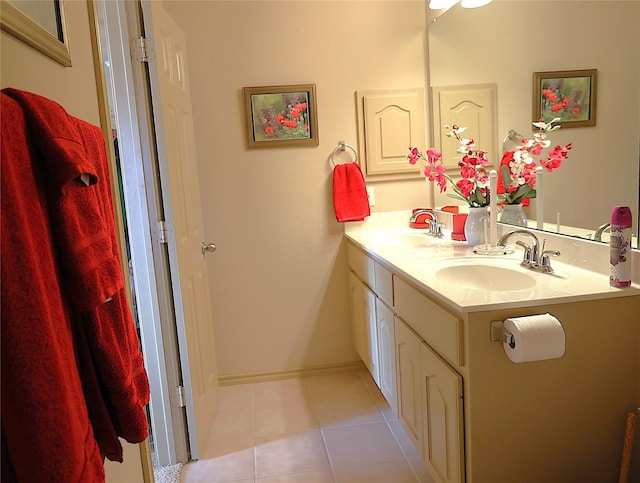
point(72, 372)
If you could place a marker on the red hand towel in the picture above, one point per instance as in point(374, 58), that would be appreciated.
point(350, 200)
point(46, 431)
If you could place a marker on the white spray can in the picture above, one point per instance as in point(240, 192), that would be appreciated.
point(620, 247)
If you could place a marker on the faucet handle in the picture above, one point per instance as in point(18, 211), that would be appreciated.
point(526, 259)
point(436, 229)
point(545, 260)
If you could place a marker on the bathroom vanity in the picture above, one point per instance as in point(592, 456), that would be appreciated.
point(422, 320)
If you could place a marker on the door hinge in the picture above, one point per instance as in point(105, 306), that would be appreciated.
point(182, 396)
point(144, 49)
point(164, 231)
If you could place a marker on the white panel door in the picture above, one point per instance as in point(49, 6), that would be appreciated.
point(171, 101)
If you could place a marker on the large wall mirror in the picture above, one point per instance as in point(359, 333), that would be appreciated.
point(506, 42)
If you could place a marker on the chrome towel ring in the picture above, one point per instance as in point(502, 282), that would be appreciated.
point(341, 147)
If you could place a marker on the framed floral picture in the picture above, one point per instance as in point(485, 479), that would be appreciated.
point(278, 116)
point(569, 95)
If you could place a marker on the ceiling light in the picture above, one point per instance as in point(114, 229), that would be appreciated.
point(440, 4)
point(474, 3)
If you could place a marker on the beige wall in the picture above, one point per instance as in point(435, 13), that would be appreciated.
point(72, 87)
point(279, 275)
point(75, 89)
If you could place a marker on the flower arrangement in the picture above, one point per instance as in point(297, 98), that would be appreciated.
point(473, 185)
point(517, 175)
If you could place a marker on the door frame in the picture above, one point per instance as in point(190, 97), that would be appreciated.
point(127, 84)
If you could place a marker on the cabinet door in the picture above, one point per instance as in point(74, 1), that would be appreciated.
point(392, 120)
point(386, 353)
point(473, 106)
point(409, 381)
point(443, 418)
point(363, 320)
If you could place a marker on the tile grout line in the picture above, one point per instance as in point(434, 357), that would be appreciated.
point(321, 428)
point(362, 378)
point(393, 434)
point(253, 433)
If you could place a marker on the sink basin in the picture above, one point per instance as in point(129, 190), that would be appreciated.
point(483, 276)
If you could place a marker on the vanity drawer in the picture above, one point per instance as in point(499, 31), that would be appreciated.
point(437, 327)
point(384, 283)
point(362, 266)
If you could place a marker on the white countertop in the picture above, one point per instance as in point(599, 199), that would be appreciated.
point(418, 256)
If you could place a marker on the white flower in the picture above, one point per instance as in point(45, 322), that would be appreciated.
point(466, 145)
point(547, 127)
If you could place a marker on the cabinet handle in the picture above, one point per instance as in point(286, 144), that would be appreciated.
point(208, 247)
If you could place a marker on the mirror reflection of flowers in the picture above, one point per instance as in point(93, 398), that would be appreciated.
point(289, 119)
point(517, 175)
point(473, 185)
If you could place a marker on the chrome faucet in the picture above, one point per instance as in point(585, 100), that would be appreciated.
point(598, 234)
point(535, 258)
point(435, 228)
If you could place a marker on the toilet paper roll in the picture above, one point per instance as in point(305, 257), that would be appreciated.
point(535, 337)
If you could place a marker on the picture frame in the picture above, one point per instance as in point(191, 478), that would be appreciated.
point(39, 24)
point(279, 116)
point(568, 94)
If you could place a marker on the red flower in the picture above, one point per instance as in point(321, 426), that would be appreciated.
point(556, 156)
point(269, 131)
point(557, 107)
point(436, 173)
point(295, 112)
point(281, 120)
point(302, 106)
point(414, 155)
point(466, 169)
point(466, 186)
point(433, 156)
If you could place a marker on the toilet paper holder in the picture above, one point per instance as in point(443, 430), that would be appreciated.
point(500, 334)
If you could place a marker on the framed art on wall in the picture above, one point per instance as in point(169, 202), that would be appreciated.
point(279, 116)
point(569, 95)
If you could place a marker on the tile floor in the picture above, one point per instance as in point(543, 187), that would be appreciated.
point(327, 428)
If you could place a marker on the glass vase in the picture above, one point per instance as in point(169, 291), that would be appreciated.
point(513, 215)
point(474, 228)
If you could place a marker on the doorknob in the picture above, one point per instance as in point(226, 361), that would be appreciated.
point(208, 247)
